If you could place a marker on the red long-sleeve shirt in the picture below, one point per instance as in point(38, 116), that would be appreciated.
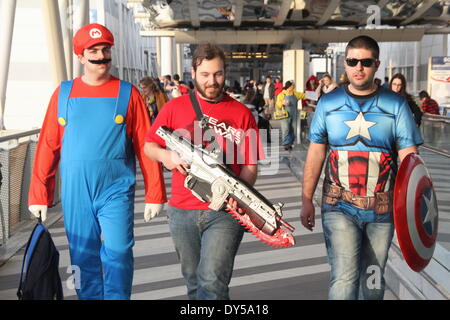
point(50, 141)
point(430, 106)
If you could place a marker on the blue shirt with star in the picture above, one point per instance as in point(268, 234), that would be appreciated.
point(364, 134)
point(379, 122)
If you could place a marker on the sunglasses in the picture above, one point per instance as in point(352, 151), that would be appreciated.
point(364, 62)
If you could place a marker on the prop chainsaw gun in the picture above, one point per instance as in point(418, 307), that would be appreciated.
point(211, 181)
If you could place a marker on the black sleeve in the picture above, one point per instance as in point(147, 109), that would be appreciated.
point(416, 112)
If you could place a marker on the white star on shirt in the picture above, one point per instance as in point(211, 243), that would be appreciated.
point(359, 127)
point(431, 214)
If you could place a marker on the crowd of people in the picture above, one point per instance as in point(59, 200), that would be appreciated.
point(266, 97)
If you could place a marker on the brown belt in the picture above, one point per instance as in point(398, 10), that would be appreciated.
point(381, 203)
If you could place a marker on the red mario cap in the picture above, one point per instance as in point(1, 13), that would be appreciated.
point(90, 35)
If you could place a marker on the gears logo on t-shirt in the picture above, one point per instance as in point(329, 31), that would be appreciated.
point(225, 131)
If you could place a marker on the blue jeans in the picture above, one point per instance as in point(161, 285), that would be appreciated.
point(357, 252)
point(206, 242)
point(289, 127)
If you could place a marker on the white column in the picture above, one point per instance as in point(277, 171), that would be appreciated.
point(8, 13)
point(174, 56)
point(121, 40)
point(54, 40)
point(81, 18)
point(416, 67)
point(180, 59)
point(390, 69)
point(445, 45)
point(297, 44)
point(66, 17)
point(167, 52)
point(100, 4)
point(158, 56)
point(296, 67)
point(335, 75)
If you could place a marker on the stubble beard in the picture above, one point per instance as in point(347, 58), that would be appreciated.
point(210, 97)
point(367, 85)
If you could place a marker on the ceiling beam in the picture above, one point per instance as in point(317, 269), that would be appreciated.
point(438, 30)
point(193, 11)
point(426, 4)
point(328, 12)
point(238, 6)
point(288, 36)
point(282, 13)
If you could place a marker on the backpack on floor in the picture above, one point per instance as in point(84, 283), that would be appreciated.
point(39, 279)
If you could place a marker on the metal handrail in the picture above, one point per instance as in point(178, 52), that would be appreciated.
point(435, 130)
point(434, 117)
point(14, 142)
point(19, 135)
point(442, 152)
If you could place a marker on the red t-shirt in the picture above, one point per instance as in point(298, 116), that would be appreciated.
point(183, 89)
point(278, 88)
point(233, 126)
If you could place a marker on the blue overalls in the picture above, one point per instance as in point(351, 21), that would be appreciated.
point(98, 178)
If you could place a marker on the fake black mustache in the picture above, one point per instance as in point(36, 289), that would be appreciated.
point(103, 61)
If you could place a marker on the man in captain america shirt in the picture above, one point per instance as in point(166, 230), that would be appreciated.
point(95, 125)
point(366, 129)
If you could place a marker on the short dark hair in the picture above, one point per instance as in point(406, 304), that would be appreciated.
point(207, 51)
point(288, 84)
point(365, 42)
point(423, 94)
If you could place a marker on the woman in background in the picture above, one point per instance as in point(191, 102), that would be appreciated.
point(153, 97)
point(326, 85)
point(398, 85)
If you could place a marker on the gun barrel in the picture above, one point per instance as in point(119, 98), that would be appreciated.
point(285, 224)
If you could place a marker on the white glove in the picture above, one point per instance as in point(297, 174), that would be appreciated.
point(152, 210)
point(39, 211)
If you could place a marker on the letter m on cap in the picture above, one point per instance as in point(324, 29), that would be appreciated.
point(95, 33)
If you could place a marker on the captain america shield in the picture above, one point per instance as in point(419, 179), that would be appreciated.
point(415, 212)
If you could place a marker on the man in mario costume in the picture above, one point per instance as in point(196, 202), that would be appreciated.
point(95, 125)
